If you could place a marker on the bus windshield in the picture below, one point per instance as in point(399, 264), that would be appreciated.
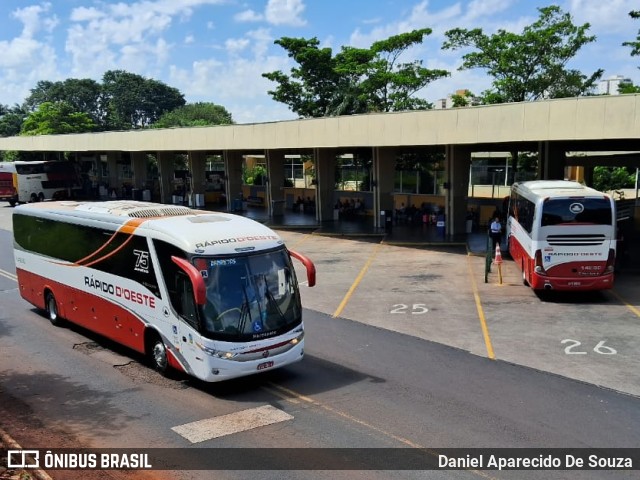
point(593, 211)
point(249, 296)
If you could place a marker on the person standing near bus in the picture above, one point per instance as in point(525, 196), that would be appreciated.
point(495, 231)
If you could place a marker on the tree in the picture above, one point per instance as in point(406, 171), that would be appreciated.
point(81, 94)
point(606, 179)
point(132, 101)
point(462, 100)
point(635, 46)
point(531, 65)
point(56, 118)
point(628, 87)
point(355, 80)
point(11, 120)
point(195, 115)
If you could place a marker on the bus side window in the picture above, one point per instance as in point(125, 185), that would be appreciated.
point(186, 306)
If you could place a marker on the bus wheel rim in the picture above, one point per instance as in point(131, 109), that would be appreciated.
point(160, 355)
point(53, 308)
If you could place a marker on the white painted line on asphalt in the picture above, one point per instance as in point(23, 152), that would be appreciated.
point(9, 275)
point(215, 427)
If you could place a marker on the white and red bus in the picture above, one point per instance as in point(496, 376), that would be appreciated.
point(562, 235)
point(210, 294)
point(38, 181)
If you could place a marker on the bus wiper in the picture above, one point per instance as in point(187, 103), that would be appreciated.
point(245, 311)
point(269, 296)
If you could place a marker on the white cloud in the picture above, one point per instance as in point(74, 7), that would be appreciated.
point(26, 59)
point(33, 20)
point(125, 35)
point(285, 12)
point(236, 45)
point(604, 16)
point(478, 9)
point(236, 81)
point(248, 16)
point(189, 39)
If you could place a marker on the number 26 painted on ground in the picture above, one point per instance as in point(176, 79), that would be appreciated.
point(600, 348)
point(416, 308)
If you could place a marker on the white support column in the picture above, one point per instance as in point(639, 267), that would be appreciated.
point(139, 166)
point(275, 187)
point(165, 172)
point(113, 158)
point(325, 160)
point(458, 160)
point(383, 180)
point(232, 177)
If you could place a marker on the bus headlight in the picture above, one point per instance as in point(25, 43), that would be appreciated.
point(297, 340)
point(218, 353)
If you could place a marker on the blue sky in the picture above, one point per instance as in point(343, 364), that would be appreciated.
point(216, 50)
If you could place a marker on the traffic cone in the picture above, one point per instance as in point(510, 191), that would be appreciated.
point(498, 257)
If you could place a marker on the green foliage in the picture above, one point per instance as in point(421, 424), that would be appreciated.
point(628, 87)
point(56, 118)
point(82, 94)
point(531, 65)
point(195, 115)
point(527, 162)
point(613, 178)
point(356, 80)
point(462, 100)
point(254, 176)
point(635, 46)
point(11, 120)
point(132, 101)
point(121, 102)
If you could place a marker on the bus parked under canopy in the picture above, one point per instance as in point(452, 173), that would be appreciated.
point(562, 235)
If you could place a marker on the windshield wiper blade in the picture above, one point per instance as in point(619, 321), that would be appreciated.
point(245, 311)
point(269, 296)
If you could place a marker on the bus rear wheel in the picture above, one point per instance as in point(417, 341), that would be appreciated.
point(41, 197)
point(33, 198)
point(52, 309)
point(158, 355)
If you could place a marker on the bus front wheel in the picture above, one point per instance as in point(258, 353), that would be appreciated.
point(52, 309)
point(524, 277)
point(158, 355)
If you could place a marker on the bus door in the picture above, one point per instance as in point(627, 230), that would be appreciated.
point(188, 336)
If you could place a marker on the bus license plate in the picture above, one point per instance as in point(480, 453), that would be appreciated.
point(264, 365)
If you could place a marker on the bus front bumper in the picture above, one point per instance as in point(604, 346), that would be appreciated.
point(603, 282)
point(221, 370)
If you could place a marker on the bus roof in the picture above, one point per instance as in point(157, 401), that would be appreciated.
point(195, 231)
point(556, 188)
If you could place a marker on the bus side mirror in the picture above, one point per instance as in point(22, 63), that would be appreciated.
point(308, 264)
point(199, 289)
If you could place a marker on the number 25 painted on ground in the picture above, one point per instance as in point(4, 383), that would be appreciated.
point(416, 308)
point(600, 348)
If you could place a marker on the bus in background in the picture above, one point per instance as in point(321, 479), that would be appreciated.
point(40, 180)
point(214, 295)
point(562, 235)
point(8, 190)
